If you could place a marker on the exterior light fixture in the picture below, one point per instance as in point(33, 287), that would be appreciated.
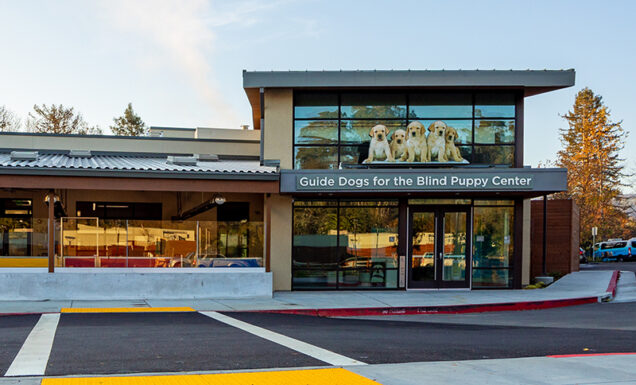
point(219, 199)
point(56, 199)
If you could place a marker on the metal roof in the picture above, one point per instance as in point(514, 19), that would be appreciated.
point(133, 165)
point(534, 81)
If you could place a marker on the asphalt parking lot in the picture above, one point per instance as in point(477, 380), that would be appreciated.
point(113, 343)
point(622, 266)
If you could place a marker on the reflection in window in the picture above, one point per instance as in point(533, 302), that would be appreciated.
point(362, 253)
point(381, 105)
point(493, 246)
point(494, 105)
point(316, 157)
point(316, 131)
point(354, 154)
point(315, 105)
point(440, 105)
point(503, 155)
point(494, 131)
point(342, 130)
point(315, 247)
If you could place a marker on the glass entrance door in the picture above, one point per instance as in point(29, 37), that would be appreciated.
point(439, 242)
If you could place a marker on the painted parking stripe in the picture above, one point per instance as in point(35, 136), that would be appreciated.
point(332, 376)
point(125, 309)
point(291, 343)
point(32, 358)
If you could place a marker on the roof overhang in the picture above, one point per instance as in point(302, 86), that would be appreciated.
point(531, 82)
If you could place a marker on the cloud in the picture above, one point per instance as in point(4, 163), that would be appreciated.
point(184, 31)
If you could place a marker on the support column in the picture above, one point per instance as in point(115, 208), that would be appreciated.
point(267, 236)
point(51, 228)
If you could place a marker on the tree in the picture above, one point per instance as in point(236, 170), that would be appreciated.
point(129, 124)
point(59, 120)
point(590, 153)
point(9, 122)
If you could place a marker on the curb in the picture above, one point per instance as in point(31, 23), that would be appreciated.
point(448, 309)
point(611, 288)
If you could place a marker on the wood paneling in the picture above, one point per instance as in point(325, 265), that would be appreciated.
point(563, 237)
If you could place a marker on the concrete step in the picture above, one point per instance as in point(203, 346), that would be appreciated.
point(626, 288)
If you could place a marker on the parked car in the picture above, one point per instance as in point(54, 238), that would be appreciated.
point(613, 250)
point(214, 260)
point(582, 257)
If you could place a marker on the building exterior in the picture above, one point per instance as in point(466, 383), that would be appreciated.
point(349, 180)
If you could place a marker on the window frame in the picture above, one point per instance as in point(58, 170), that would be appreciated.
point(407, 119)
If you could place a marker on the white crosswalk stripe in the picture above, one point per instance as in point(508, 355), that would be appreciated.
point(291, 343)
point(32, 358)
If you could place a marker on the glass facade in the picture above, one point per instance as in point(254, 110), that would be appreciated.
point(493, 243)
point(333, 130)
point(344, 244)
point(93, 242)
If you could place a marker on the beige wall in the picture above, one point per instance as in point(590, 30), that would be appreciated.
point(128, 144)
point(525, 253)
point(281, 244)
point(279, 126)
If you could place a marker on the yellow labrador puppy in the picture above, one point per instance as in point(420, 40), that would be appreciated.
point(416, 148)
point(436, 141)
point(379, 148)
point(452, 152)
point(398, 144)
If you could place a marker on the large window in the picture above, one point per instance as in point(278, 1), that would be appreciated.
point(344, 244)
point(333, 130)
point(493, 243)
point(16, 228)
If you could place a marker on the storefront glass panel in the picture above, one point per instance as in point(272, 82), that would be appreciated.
point(370, 257)
point(351, 246)
point(315, 250)
point(493, 245)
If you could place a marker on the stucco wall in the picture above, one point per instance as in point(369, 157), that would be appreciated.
point(279, 126)
point(281, 246)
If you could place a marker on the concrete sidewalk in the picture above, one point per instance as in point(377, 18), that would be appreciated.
point(592, 286)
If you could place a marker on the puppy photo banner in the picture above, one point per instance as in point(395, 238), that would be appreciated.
point(423, 180)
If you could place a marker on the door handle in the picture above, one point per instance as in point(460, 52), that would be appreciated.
point(441, 256)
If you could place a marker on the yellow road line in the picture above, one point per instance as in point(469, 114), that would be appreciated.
point(124, 309)
point(332, 376)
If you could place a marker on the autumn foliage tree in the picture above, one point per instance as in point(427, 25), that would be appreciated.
point(9, 122)
point(59, 120)
point(591, 146)
point(129, 124)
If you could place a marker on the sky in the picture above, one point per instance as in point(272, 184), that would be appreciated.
point(180, 62)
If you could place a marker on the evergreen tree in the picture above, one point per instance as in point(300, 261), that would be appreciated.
point(129, 124)
point(8, 121)
point(590, 153)
point(59, 120)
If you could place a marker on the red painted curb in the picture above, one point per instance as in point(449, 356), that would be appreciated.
point(611, 288)
point(448, 309)
point(591, 354)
